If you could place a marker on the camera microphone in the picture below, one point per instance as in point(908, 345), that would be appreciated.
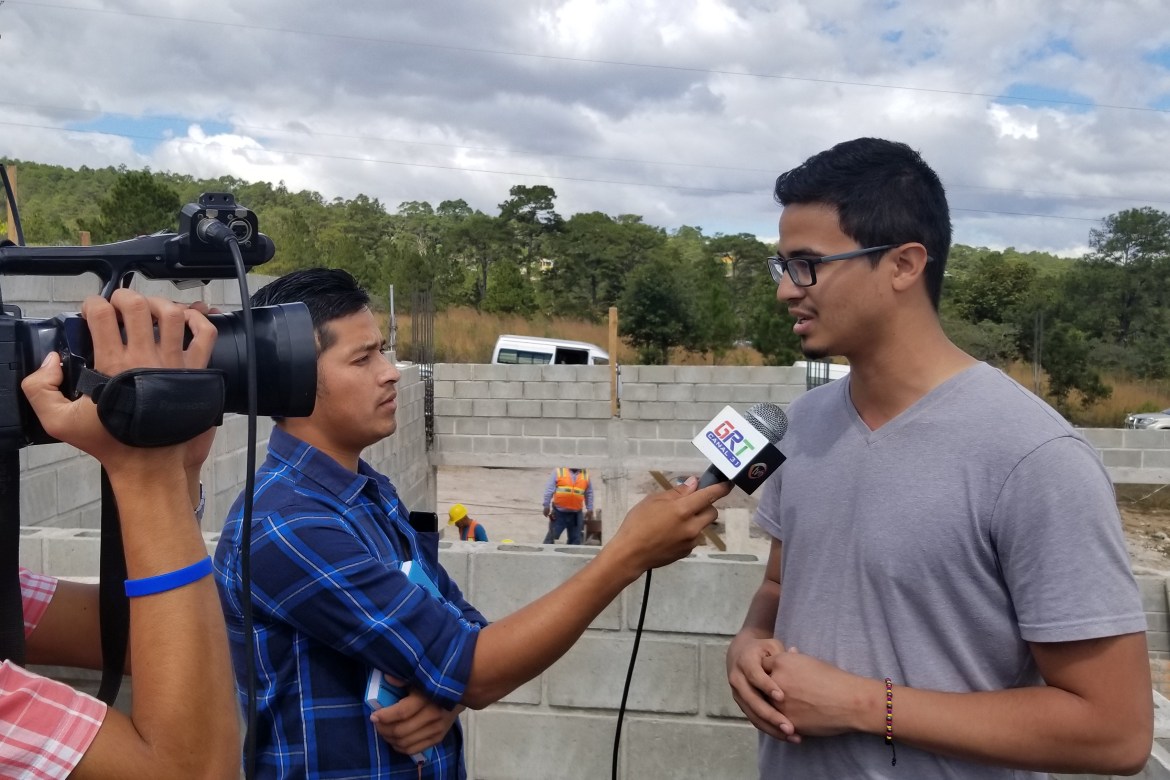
point(742, 448)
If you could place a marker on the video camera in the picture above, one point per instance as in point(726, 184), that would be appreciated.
point(285, 349)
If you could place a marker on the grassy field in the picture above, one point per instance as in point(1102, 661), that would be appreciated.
point(463, 335)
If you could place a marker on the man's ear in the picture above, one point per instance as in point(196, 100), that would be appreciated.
point(909, 266)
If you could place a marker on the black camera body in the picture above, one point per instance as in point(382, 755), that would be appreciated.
point(285, 347)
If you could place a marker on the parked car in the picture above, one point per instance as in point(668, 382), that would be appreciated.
point(1149, 420)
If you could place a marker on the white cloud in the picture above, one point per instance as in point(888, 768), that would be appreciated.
point(419, 101)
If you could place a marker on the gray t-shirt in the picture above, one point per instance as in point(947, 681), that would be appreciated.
point(933, 549)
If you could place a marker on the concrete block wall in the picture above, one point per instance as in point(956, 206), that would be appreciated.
point(680, 720)
point(1141, 457)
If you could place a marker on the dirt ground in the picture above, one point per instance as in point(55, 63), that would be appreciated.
point(507, 502)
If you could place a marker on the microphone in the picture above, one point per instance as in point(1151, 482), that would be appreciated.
point(742, 449)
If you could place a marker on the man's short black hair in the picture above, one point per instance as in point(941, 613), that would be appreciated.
point(330, 293)
point(884, 193)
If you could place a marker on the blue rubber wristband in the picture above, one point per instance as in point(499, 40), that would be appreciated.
point(148, 586)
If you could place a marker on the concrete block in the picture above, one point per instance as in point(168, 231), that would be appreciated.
point(681, 599)
point(558, 408)
point(596, 447)
point(747, 395)
point(579, 428)
point(1129, 459)
point(528, 693)
point(542, 391)
point(522, 373)
point(490, 372)
point(445, 425)
point(1155, 459)
point(662, 375)
point(669, 429)
point(677, 392)
point(74, 555)
point(1104, 438)
point(26, 289)
point(78, 483)
point(512, 744)
point(688, 750)
point(38, 498)
point(1153, 592)
point(483, 407)
point(594, 410)
point(785, 394)
point(455, 372)
point(558, 446)
point(444, 388)
point(529, 408)
point(49, 454)
point(717, 701)
point(712, 394)
point(490, 445)
point(472, 426)
point(506, 390)
point(459, 443)
point(562, 373)
point(631, 410)
point(657, 410)
point(31, 550)
point(1146, 440)
point(521, 445)
point(471, 389)
point(639, 392)
point(665, 680)
point(698, 375)
point(455, 559)
point(575, 391)
point(656, 449)
point(506, 581)
point(448, 407)
point(505, 426)
point(543, 428)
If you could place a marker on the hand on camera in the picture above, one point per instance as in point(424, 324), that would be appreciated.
point(76, 422)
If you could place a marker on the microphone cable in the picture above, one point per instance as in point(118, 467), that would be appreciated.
point(214, 231)
point(617, 735)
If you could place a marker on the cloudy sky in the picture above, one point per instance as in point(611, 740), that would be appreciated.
point(1041, 116)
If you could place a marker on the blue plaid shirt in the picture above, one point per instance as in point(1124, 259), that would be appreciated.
point(330, 604)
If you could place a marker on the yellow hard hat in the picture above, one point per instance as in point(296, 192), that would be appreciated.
point(456, 513)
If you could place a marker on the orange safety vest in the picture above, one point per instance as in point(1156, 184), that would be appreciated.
point(468, 532)
point(570, 493)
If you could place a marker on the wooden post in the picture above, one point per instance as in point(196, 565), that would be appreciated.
point(85, 238)
point(11, 221)
point(613, 364)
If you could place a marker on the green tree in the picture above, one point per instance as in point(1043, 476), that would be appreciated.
point(137, 205)
point(715, 320)
point(657, 308)
point(509, 291)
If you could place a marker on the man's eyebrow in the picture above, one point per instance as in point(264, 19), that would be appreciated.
point(801, 252)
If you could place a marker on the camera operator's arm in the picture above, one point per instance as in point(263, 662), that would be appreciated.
point(69, 632)
point(183, 720)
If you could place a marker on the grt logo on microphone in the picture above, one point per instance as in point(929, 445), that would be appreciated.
point(730, 442)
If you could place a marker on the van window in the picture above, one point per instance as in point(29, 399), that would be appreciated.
point(522, 357)
point(572, 357)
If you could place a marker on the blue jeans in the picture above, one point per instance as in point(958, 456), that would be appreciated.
point(561, 520)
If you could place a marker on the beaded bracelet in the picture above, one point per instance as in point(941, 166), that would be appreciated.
point(890, 721)
point(148, 586)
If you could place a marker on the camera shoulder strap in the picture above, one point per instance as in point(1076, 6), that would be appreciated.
point(11, 603)
point(113, 605)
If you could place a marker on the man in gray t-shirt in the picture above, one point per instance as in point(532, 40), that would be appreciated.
point(948, 583)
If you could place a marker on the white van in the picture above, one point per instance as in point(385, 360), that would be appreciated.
point(531, 350)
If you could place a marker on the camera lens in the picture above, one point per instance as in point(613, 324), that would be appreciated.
point(286, 360)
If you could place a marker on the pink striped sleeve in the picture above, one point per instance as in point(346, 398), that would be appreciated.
point(36, 591)
point(45, 726)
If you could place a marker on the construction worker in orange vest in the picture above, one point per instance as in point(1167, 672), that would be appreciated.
point(568, 503)
point(468, 527)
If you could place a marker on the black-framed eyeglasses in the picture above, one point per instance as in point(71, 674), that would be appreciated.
point(802, 270)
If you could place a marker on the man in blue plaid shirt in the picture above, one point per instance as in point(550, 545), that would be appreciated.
point(331, 601)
